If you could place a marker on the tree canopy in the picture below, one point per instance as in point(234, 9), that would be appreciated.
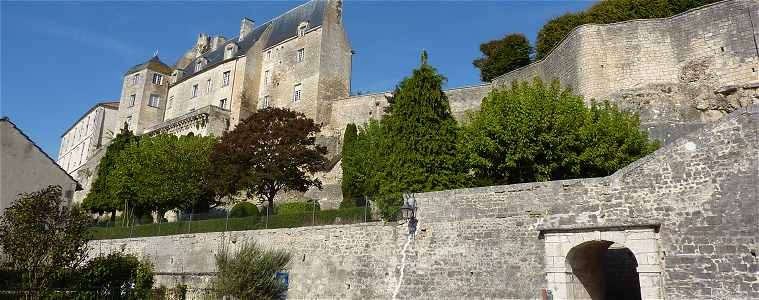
point(43, 237)
point(153, 174)
point(537, 132)
point(504, 55)
point(413, 148)
point(109, 189)
point(271, 150)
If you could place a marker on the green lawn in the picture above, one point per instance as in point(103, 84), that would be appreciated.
point(324, 217)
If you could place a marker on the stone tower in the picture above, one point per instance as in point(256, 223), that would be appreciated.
point(143, 95)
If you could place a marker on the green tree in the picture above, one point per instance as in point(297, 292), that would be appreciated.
point(249, 273)
point(504, 55)
point(108, 191)
point(537, 132)
point(172, 172)
point(349, 183)
point(271, 150)
point(153, 174)
point(362, 164)
point(417, 151)
point(43, 238)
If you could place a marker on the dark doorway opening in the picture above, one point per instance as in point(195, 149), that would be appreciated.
point(603, 270)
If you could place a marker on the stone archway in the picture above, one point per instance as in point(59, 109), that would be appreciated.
point(603, 263)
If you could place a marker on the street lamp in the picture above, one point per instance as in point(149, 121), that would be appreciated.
point(408, 211)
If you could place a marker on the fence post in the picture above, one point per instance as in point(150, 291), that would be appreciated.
point(366, 204)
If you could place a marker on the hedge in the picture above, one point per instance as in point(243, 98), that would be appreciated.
point(244, 209)
point(324, 217)
point(297, 207)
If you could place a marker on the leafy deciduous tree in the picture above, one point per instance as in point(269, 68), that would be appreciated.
point(271, 150)
point(42, 237)
point(504, 55)
point(108, 190)
point(533, 132)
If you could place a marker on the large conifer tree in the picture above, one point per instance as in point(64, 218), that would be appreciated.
point(421, 137)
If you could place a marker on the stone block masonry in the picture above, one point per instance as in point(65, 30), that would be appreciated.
point(678, 73)
point(688, 212)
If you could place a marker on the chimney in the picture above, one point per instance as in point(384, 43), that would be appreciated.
point(216, 42)
point(246, 27)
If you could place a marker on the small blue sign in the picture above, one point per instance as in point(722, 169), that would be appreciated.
point(283, 278)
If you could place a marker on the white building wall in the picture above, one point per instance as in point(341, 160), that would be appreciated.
point(90, 133)
point(180, 95)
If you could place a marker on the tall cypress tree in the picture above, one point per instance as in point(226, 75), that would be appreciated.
point(349, 183)
point(421, 137)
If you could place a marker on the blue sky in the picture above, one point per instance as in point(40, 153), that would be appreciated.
point(57, 59)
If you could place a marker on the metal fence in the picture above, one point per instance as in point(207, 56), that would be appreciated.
point(220, 221)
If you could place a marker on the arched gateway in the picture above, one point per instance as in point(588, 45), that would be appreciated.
point(603, 263)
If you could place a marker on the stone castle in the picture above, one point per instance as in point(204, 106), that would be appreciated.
point(681, 223)
point(678, 73)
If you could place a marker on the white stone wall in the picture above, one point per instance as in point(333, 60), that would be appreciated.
point(286, 72)
point(180, 94)
point(142, 115)
point(91, 132)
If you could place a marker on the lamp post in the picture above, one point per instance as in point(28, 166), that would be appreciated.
point(408, 211)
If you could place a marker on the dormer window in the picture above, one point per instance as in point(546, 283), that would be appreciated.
point(199, 64)
point(302, 28)
point(135, 79)
point(230, 50)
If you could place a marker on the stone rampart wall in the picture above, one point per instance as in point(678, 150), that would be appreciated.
point(701, 192)
point(678, 73)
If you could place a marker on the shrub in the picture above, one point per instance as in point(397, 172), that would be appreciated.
point(244, 209)
point(298, 207)
point(249, 273)
point(115, 276)
point(536, 132)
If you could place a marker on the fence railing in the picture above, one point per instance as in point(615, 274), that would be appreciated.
point(199, 223)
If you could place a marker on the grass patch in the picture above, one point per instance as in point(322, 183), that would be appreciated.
point(323, 217)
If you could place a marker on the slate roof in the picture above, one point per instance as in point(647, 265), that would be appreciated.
point(8, 120)
point(282, 27)
point(154, 64)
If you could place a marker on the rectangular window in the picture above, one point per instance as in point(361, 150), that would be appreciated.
point(268, 54)
point(301, 54)
point(209, 86)
point(129, 122)
point(135, 79)
point(267, 77)
point(154, 100)
point(265, 102)
point(223, 103)
point(225, 79)
point(132, 98)
point(297, 92)
point(171, 99)
point(194, 91)
point(157, 78)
